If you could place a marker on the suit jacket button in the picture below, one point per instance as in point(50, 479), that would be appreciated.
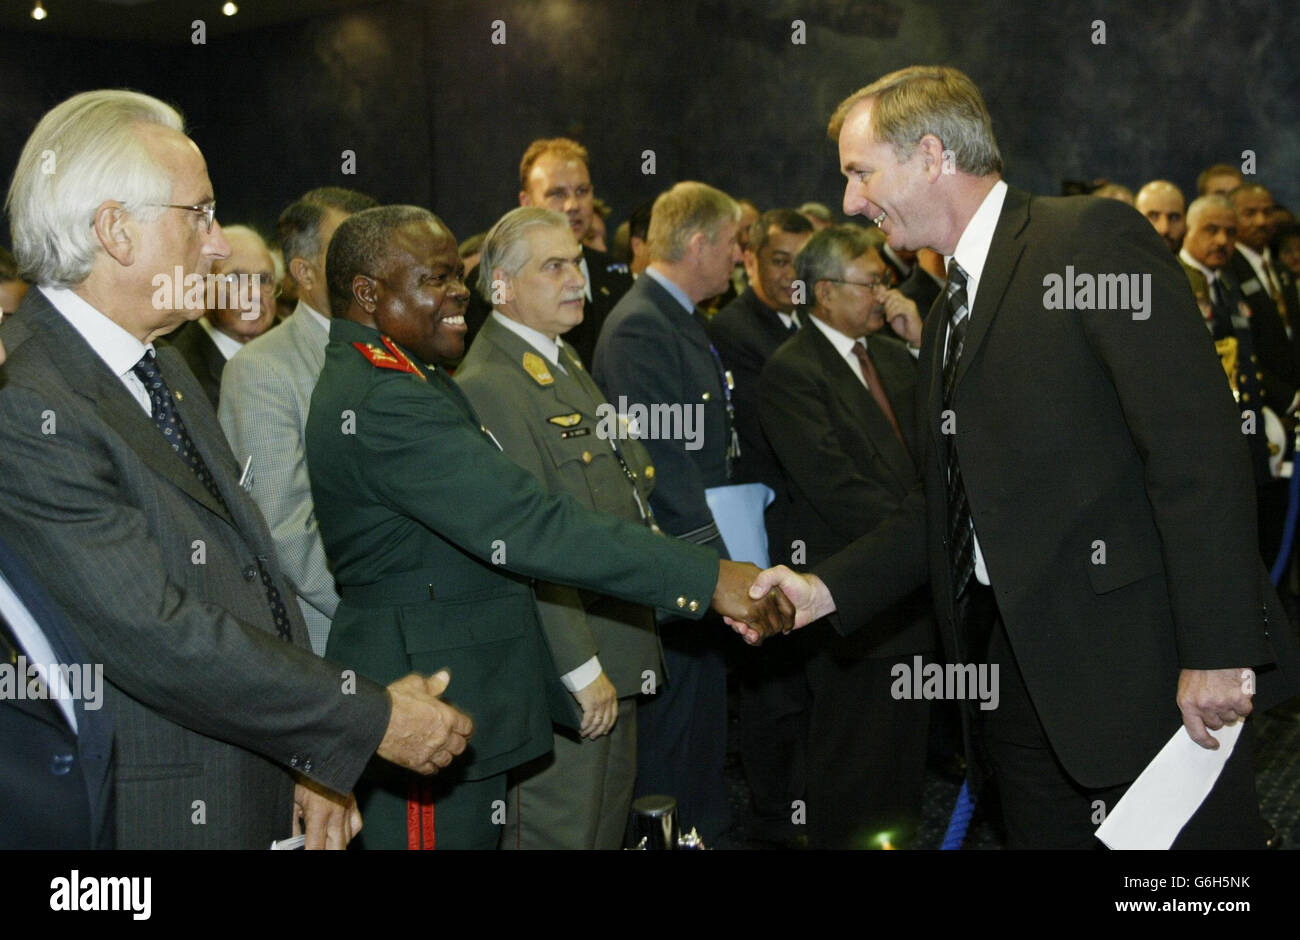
point(61, 764)
point(693, 606)
point(250, 573)
point(681, 602)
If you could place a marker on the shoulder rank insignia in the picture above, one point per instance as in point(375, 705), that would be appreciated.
point(391, 357)
point(535, 366)
point(566, 421)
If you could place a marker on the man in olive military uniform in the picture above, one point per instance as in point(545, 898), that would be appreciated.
point(430, 528)
point(534, 395)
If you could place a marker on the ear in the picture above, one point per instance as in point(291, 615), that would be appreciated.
point(695, 246)
point(931, 156)
point(751, 265)
point(508, 294)
point(302, 272)
point(114, 233)
point(365, 293)
point(524, 198)
point(822, 292)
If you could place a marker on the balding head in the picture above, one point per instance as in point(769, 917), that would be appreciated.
point(1163, 204)
point(1211, 231)
point(1256, 219)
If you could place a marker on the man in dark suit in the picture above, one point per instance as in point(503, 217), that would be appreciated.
point(243, 290)
point(1063, 527)
point(545, 410)
point(746, 332)
point(554, 174)
point(838, 404)
point(1257, 274)
point(56, 789)
point(120, 488)
point(654, 357)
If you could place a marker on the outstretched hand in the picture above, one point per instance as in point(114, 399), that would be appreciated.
point(734, 598)
point(807, 595)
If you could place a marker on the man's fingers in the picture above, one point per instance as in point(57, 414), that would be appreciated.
point(765, 581)
point(1196, 728)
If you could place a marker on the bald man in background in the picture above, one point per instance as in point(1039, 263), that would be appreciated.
point(1163, 204)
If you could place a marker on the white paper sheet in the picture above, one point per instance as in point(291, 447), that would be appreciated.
point(1166, 795)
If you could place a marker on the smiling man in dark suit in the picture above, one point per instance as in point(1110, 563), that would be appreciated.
point(119, 487)
point(1081, 461)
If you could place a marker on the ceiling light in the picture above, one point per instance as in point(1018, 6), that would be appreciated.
point(229, 9)
point(38, 11)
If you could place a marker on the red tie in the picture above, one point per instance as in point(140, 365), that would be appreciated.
point(877, 388)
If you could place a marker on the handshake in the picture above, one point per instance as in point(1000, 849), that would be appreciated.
point(746, 598)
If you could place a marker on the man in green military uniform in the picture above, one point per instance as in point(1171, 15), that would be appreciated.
point(433, 532)
point(531, 391)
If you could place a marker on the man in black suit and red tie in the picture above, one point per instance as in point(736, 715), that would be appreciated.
point(838, 405)
point(1081, 460)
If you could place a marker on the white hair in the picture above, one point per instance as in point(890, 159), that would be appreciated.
point(505, 246)
point(83, 152)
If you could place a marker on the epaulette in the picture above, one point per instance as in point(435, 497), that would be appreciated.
point(535, 366)
point(390, 358)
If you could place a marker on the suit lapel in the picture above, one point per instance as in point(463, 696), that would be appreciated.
point(862, 408)
point(86, 373)
point(1004, 254)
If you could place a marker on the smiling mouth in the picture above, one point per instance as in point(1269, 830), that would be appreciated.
point(458, 320)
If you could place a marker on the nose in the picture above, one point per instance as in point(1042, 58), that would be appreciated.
point(855, 201)
point(216, 247)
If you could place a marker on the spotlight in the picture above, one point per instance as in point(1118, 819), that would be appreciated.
point(38, 11)
point(229, 9)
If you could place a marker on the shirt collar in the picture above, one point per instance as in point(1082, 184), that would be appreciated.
point(842, 342)
point(225, 344)
point(113, 344)
point(973, 247)
point(1184, 256)
point(679, 295)
point(550, 348)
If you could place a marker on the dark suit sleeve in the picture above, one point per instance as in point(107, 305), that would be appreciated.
point(1188, 432)
point(640, 360)
point(193, 662)
point(400, 424)
point(794, 408)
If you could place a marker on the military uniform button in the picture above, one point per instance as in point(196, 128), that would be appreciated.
point(1259, 375)
point(250, 573)
point(586, 456)
point(649, 473)
point(1245, 396)
point(706, 396)
point(693, 606)
point(681, 602)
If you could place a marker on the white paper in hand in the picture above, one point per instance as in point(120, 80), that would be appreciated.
point(1166, 795)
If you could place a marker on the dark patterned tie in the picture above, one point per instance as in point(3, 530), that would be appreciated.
point(169, 422)
point(961, 530)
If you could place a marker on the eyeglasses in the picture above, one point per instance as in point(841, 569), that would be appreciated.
point(870, 285)
point(257, 281)
point(208, 210)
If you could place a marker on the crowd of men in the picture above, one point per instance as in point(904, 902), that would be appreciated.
point(364, 529)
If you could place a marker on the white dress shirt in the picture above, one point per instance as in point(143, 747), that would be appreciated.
point(226, 345)
point(118, 348)
point(843, 344)
point(972, 252)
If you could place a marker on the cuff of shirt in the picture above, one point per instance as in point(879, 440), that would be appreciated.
point(578, 679)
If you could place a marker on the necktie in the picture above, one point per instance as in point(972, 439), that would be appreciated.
point(961, 530)
point(877, 388)
point(1276, 293)
point(1219, 304)
point(793, 328)
point(169, 422)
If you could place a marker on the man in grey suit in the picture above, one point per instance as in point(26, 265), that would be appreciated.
point(121, 491)
point(532, 392)
point(265, 393)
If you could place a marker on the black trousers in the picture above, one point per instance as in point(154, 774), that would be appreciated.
point(682, 728)
point(1044, 808)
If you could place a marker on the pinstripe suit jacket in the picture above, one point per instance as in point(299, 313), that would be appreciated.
point(160, 582)
point(265, 393)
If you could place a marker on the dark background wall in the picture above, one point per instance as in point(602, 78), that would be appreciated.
point(436, 114)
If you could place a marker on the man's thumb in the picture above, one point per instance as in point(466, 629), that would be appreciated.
point(438, 682)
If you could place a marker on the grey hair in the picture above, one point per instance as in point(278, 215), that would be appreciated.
point(83, 152)
point(505, 246)
point(680, 212)
point(1201, 203)
point(825, 255)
